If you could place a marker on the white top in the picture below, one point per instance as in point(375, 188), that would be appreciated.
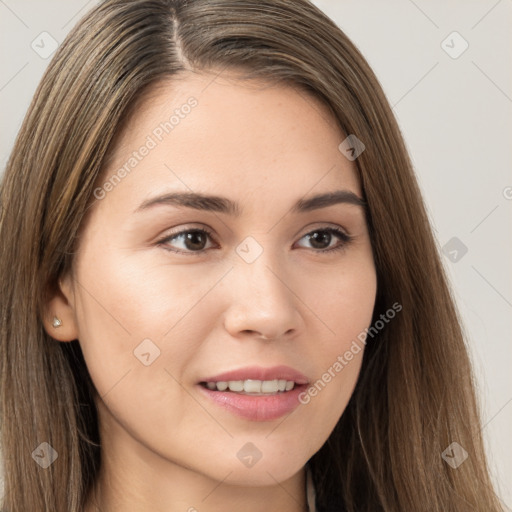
point(310, 491)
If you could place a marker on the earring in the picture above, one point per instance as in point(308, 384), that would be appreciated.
point(57, 322)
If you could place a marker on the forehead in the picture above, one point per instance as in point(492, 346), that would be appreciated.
point(205, 131)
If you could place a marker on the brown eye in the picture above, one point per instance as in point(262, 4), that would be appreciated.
point(321, 239)
point(190, 240)
point(195, 240)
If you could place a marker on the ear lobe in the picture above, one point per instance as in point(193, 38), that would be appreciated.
point(59, 319)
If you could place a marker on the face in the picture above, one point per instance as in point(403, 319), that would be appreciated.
point(173, 297)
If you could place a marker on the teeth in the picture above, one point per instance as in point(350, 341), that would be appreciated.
point(269, 386)
point(250, 386)
point(236, 385)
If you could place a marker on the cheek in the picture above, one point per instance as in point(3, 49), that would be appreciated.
point(344, 308)
point(132, 311)
point(342, 300)
point(148, 294)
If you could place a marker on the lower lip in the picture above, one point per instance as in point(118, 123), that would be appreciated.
point(257, 408)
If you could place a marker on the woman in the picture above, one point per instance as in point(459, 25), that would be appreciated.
point(220, 287)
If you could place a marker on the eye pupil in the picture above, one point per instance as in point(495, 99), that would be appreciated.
point(324, 237)
point(191, 240)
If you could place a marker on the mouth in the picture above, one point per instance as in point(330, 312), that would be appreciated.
point(255, 393)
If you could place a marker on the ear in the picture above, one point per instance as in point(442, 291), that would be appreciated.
point(59, 319)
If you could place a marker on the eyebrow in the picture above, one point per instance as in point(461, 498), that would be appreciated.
point(219, 204)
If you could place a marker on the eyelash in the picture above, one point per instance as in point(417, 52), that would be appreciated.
point(345, 238)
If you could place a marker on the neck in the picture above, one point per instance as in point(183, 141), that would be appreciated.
point(126, 492)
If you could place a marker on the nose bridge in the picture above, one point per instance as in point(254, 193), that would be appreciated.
point(261, 298)
point(258, 269)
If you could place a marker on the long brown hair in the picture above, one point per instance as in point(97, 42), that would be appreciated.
point(415, 394)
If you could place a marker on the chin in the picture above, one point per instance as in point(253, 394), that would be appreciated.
point(261, 477)
point(265, 471)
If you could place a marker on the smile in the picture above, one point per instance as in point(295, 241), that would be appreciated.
point(252, 387)
point(255, 393)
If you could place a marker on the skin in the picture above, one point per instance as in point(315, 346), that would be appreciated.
point(166, 447)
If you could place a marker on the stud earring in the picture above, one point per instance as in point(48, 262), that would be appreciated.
point(57, 322)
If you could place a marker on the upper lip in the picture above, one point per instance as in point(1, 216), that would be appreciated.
point(260, 373)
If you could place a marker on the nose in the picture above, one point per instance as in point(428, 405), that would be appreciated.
point(262, 302)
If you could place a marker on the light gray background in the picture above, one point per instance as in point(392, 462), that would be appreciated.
point(455, 114)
